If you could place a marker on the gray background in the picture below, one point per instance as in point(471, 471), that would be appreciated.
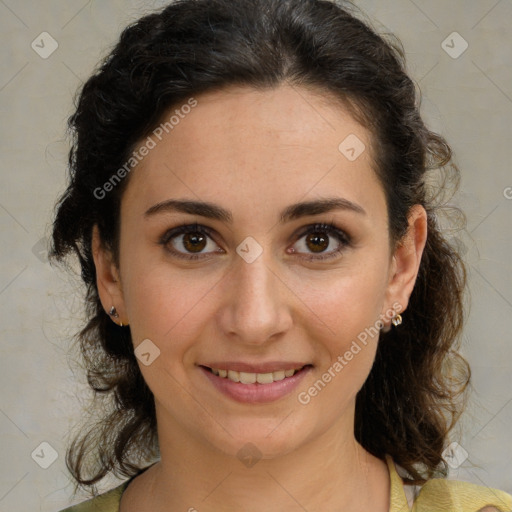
point(468, 99)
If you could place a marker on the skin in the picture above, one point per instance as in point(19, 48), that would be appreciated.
point(255, 153)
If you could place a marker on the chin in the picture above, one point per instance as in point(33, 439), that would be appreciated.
point(261, 438)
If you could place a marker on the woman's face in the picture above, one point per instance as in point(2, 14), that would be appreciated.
point(253, 286)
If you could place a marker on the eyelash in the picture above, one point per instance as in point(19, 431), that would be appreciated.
point(324, 228)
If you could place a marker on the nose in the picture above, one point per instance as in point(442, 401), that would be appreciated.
point(255, 309)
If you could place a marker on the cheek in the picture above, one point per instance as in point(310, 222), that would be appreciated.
point(169, 309)
point(344, 305)
point(342, 319)
point(346, 332)
point(161, 301)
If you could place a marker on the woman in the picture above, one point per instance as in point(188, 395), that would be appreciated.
point(273, 310)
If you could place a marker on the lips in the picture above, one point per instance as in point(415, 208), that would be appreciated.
point(255, 383)
point(268, 367)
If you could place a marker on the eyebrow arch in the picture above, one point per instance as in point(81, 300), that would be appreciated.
point(292, 212)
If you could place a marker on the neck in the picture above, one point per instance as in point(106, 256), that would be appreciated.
point(332, 472)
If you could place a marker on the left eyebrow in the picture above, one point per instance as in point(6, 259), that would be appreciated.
point(292, 212)
point(318, 206)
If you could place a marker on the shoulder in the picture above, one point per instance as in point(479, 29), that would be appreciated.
point(107, 502)
point(455, 495)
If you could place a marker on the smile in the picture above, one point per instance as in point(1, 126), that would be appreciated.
point(255, 387)
point(252, 378)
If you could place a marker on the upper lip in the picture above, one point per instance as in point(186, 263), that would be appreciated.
point(268, 367)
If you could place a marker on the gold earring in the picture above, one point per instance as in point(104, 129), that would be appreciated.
point(396, 320)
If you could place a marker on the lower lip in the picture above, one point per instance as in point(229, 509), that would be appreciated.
point(256, 393)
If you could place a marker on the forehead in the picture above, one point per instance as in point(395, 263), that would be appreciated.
point(258, 148)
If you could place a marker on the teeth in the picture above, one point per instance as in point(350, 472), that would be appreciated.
point(247, 378)
point(252, 378)
point(279, 375)
point(234, 376)
point(264, 378)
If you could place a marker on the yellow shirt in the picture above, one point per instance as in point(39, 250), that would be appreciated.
point(437, 495)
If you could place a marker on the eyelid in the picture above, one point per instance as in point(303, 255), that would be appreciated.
point(324, 227)
point(186, 228)
point(183, 229)
point(320, 227)
point(344, 239)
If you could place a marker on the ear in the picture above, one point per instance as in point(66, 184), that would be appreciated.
point(406, 260)
point(107, 279)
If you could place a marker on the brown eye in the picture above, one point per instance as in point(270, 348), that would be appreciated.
point(190, 242)
point(321, 241)
point(317, 242)
point(194, 242)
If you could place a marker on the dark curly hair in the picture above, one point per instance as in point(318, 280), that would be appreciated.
point(415, 391)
